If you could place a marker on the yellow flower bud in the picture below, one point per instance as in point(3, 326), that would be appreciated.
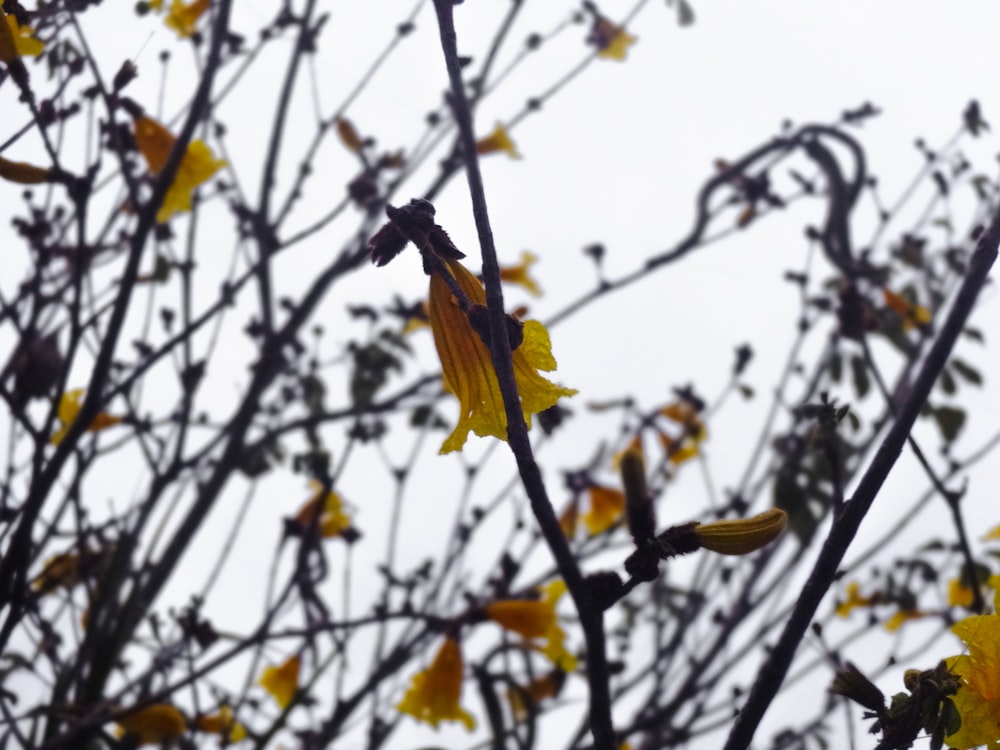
point(23, 173)
point(742, 535)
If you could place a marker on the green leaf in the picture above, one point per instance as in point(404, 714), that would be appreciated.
point(859, 374)
point(836, 368)
point(313, 392)
point(947, 382)
point(967, 371)
point(314, 462)
point(372, 364)
point(425, 416)
point(685, 13)
point(950, 421)
point(746, 391)
point(791, 497)
point(975, 334)
point(396, 339)
point(951, 719)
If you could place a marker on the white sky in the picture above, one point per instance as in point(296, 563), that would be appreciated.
point(615, 158)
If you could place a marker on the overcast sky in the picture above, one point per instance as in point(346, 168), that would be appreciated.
point(617, 158)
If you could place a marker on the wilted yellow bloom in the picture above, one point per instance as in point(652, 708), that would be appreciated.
point(223, 723)
point(993, 533)
point(612, 41)
point(435, 694)
point(467, 369)
point(498, 140)
point(912, 315)
point(685, 447)
point(16, 40)
point(536, 619)
point(23, 173)
point(348, 135)
point(59, 571)
point(606, 508)
point(519, 274)
point(540, 688)
point(569, 518)
point(740, 536)
point(69, 407)
point(959, 595)
point(67, 569)
point(333, 521)
point(153, 724)
point(634, 446)
point(198, 165)
point(854, 600)
point(183, 17)
point(282, 682)
point(895, 622)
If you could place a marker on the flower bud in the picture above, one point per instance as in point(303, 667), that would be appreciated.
point(851, 683)
point(638, 505)
point(23, 173)
point(743, 535)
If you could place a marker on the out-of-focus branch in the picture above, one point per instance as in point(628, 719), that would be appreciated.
point(776, 665)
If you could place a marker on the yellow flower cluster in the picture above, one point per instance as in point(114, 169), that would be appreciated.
point(198, 165)
point(536, 619)
point(435, 694)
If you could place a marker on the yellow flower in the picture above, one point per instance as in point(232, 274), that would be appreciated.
point(348, 135)
point(993, 533)
point(282, 682)
point(678, 451)
point(895, 622)
point(978, 697)
point(912, 315)
point(959, 595)
point(606, 508)
point(854, 600)
point(333, 521)
point(184, 18)
point(153, 724)
point(686, 447)
point(467, 370)
point(535, 619)
point(17, 40)
point(519, 274)
point(498, 140)
point(569, 518)
point(199, 163)
point(435, 693)
point(59, 571)
point(66, 569)
point(540, 688)
point(223, 723)
point(156, 5)
point(69, 407)
point(634, 446)
point(612, 42)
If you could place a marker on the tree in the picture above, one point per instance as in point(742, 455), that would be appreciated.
point(159, 401)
